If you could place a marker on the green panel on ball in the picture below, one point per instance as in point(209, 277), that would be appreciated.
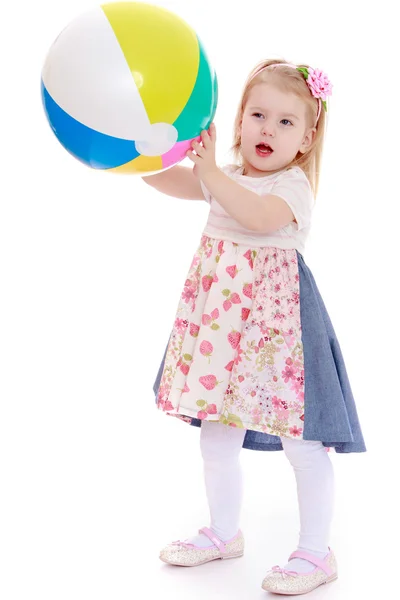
point(201, 106)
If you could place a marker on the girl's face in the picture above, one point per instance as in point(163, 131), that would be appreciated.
point(273, 130)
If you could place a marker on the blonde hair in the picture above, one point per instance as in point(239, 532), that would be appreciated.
point(292, 81)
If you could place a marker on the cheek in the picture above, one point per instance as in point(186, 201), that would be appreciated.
point(295, 139)
point(247, 130)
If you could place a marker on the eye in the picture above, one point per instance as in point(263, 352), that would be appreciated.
point(257, 114)
point(286, 121)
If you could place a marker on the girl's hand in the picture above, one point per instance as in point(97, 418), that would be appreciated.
point(203, 154)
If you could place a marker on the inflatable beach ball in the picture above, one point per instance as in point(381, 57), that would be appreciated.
point(127, 86)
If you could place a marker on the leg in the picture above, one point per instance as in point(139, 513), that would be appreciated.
point(315, 490)
point(220, 448)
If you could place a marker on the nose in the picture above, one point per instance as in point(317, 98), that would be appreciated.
point(268, 129)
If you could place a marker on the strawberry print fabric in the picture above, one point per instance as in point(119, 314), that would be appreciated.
point(235, 353)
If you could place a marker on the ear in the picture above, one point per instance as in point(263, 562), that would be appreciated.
point(308, 140)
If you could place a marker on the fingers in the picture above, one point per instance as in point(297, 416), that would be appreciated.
point(198, 147)
point(212, 132)
point(195, 151)
point(204, 138)
point(208, 136)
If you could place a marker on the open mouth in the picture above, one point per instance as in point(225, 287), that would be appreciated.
point(263, 150)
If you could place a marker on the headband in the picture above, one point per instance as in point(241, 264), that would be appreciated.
point(317, 81)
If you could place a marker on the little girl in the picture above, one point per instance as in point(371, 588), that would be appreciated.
point(253, 358)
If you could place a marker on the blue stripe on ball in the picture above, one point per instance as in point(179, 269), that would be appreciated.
point(95, 149)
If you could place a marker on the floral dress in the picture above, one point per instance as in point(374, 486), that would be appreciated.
point(235, 354)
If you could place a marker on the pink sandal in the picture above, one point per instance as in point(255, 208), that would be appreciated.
point(291, 583)
point(184, 554)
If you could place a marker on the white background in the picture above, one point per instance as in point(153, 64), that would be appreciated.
point(93, 480)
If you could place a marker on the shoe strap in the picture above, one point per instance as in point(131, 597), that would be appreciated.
point(215, 540)
point(318, 562)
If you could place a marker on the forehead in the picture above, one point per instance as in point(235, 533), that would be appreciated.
point(270, 97)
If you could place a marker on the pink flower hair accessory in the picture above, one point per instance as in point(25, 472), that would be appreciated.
point(319, 85)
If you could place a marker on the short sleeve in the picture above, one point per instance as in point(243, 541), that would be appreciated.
point(294, 187)
point(228, 170)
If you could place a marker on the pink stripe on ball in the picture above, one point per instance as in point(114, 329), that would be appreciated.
point(177, 152)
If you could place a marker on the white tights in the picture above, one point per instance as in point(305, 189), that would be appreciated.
point(220, 447)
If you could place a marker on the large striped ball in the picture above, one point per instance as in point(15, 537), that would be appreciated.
point(127, 86)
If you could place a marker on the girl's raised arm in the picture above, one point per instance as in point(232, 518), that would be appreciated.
point(178, 181)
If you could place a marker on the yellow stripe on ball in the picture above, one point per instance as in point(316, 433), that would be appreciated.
point(162, 53)
point(140, 165)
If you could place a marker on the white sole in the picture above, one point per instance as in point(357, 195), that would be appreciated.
point(203, 562)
